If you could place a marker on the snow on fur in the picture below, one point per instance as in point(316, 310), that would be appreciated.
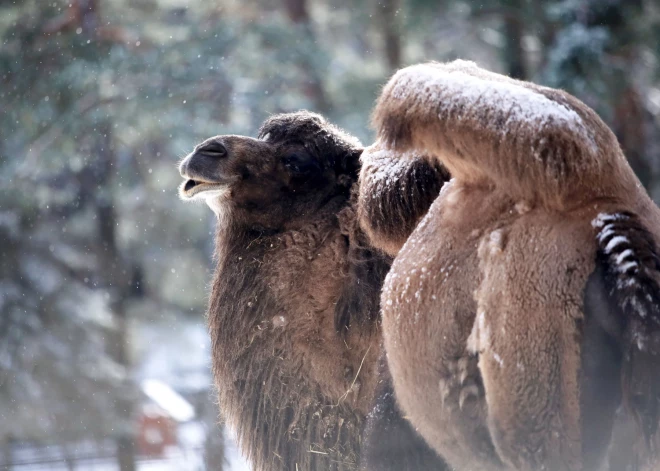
point(391, 165)
point(455, 90)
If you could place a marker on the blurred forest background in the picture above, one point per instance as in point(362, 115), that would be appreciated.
point(104, 356)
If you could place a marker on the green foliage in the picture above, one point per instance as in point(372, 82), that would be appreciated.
point(95, 116)
point(91, 228)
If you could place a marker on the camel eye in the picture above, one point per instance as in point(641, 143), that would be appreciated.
point(300, 163)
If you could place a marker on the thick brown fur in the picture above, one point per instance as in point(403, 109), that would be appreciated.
point(390, 441)
point(527, 297)
point(394, 194)
point(295, 298)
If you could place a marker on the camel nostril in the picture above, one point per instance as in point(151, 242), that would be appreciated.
point(189, 185)
point(213, 149)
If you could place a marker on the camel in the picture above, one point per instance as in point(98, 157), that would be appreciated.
point(294, 304)
point(521, 316)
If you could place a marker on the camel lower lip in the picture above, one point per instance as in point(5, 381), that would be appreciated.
point(191, 188)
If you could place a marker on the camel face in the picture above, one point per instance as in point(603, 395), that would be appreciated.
point(261, 183)
point(277, 179)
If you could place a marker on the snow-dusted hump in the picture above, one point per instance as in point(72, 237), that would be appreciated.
point(535, 142)
point(456, 92)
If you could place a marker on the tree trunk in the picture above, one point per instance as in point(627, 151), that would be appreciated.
point(546, 30)
point(214, 447)
point(391, 31)
point(116, 278)
point(629, 127)
point(514, 53)
point(298, 12)
point(7, 458)
point(214, 443)
point(68, 458)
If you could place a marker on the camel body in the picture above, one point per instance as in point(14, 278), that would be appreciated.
point(522, 312)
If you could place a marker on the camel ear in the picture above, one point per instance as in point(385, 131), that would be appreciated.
point(349, 163)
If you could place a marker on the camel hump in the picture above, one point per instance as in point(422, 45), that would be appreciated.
point(534, 142)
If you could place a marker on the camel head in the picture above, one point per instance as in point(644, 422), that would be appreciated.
point(298, 163)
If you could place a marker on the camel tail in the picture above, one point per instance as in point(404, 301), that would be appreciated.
point(628, 258)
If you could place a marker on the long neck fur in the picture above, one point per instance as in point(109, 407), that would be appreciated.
point(283, 417)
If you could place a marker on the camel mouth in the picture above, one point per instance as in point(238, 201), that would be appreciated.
point(192, 188)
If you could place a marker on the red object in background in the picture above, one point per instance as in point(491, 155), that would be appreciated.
point(156, 432)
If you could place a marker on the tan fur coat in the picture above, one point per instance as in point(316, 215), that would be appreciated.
point(523, 311)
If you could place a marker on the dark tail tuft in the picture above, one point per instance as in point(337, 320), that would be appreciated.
point(628, 257)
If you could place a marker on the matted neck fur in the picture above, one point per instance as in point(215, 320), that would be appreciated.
point(294, 301)
point(524, 309)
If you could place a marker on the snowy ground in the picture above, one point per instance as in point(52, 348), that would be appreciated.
point(179, 459)
point(236, 460)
